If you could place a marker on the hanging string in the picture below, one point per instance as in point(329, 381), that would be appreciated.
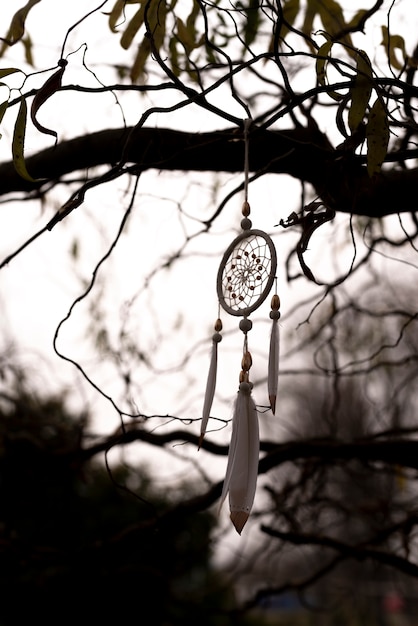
point(247, 125)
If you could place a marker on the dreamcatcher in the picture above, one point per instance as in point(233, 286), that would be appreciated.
point(245, 278)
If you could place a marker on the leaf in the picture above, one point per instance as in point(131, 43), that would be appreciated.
point(186, 37)
point(357, 19)
point(133, 27)
point(115, 14)
point(174, 57)
point(332, 17)
point(361, 91)
point(17, 25)
point(392, 43)
point(290, 11)
point(377, 135)
point(7, 71)
point(155, 18)
point(28, 47)
point(117, 11)
point(3, 109)
point(311, 11)
point(46, 91)
point(18, 143)
point(252, 22)
point(191, 24)
point(322, 58)
point(138, 68)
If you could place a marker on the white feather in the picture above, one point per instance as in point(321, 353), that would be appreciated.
point(273, 369)
point(242, 469)
point(210, 390)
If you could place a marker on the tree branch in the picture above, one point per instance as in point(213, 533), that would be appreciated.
point(358, 553)
point(400, 452)
point(340, 179)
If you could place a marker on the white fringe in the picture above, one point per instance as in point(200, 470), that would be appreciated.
point(242, 469)
point(273, 369)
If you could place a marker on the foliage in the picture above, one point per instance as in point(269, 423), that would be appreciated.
point(181, 45)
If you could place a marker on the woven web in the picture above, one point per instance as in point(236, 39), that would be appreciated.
point(246, 273)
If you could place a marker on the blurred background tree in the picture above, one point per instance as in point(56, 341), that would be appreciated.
point(77, 545)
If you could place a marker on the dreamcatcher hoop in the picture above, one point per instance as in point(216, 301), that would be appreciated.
point(246, 273)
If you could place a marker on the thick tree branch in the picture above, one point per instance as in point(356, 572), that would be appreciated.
point(359, 553)
point(339, 179)
point(400, 452)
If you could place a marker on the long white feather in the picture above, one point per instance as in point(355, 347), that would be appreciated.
point(273, 369)
point(242, 469)
point(210, 386)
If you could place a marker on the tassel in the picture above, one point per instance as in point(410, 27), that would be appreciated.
point(242, 469)
point(273, 369)
point(211, 382)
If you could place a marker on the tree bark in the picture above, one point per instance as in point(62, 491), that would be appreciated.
point(339, 178)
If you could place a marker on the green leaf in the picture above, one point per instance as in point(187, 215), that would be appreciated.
point(17, 25)
point(51, 86)
point(3, 109)
point(28, 47)
point(252, 22)
point(322, 59)
point(138, 67)
point(290, 11)
point(174, 57)
point(115, 14)
point(18, 143)
point(361, 91)
point(184, 35)
point(155, 16)
point(133, 27)
point(7, 71)
point(377, 135)
point(392, 43)
point(310, 13)
point(331, 15)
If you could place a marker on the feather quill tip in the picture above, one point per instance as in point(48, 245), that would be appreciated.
point(239, 519)
point(273, 404)
point(200, 441)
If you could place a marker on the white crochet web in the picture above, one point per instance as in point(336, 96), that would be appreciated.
point(246, 273)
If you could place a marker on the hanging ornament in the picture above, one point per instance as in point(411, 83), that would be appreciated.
point(273, 369)
point(211, 383)
point(245, 278)
point(242, 469)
